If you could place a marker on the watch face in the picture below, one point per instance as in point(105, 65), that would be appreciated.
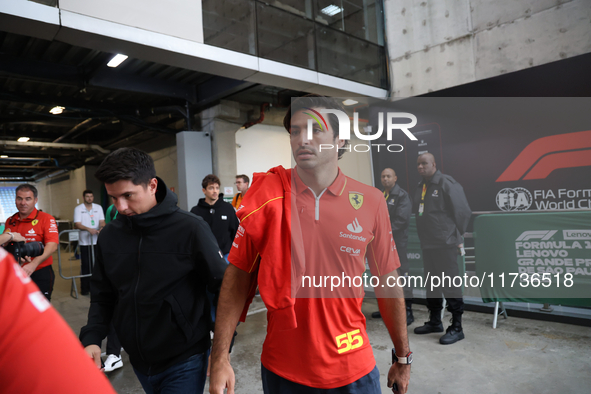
point(409, 358)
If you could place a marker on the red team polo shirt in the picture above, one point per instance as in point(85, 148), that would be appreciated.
point(38, 226)
point(347, 223)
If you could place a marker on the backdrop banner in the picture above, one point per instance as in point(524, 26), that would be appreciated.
point(534, 257)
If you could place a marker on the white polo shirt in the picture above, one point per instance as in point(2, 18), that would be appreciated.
point(89, 219)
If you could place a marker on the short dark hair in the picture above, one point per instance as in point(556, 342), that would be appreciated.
point(128, 164)
point(26, 186)
point(209, 180)
point(317, 101)
point(244, 178)
point(87, 191)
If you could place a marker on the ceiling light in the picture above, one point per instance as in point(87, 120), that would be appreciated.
point(350, 102)
point(331, 10)
point(57, 110)
point(3, 157)
point(23, 139)
point(117, 60)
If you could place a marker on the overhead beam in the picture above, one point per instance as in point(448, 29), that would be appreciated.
point(57, 145)
point(104, 77)
point(116, 80)
point(217, 88)
point(41, 71)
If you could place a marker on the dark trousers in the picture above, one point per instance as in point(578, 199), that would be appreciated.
point(186, 377)
point(275, 384)
point(440, 262)
point(403, 271)
point(86, 266)
point(44, 279)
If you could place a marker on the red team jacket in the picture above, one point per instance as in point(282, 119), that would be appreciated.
point(39, 353)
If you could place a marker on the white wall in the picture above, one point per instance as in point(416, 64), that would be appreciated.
point(165, 162)
point(59, 199)
point(262, 147)
point(177, 18)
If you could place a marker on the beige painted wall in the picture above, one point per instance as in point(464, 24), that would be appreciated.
point(177, 18)
point(60, 199)
point(165, 162)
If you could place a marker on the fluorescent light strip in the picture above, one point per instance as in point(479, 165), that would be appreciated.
point(331, 10)
point(57, 110)
point(117, 60)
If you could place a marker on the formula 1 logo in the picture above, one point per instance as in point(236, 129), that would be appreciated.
point(547, 154)
point(543, 235)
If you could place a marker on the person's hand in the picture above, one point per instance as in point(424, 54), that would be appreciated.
point(93, 231)
point(399, 374)
point(95, 353)
point(28, 268)
point(17, 237)
point(209, 363)
point(222, 377)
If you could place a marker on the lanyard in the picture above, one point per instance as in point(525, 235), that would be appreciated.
point(91, 215)
point(422, 206)
point(386, 195)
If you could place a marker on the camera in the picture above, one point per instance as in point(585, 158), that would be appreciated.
point(21, 249)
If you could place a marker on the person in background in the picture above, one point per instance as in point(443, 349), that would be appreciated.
point(442, 215)
point(35, 226)
point(242, 183)
point(399, 209)
point(217, 213)
point(89, 217)
point(111, 213)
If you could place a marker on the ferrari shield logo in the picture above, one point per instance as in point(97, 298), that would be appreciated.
point(356, 199)
point(34, 222)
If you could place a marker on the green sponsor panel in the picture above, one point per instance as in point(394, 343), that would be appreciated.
point(535, 257)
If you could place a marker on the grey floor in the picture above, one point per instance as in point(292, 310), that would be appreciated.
point(520, 356)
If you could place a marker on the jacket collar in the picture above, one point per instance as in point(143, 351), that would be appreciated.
point(436, 178)
point(394, 191)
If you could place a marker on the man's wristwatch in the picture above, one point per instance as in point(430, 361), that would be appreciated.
point(406, 360)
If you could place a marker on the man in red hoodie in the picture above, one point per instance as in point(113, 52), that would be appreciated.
point(303, 223)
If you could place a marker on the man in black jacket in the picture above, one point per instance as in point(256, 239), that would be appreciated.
point(442, 214)
point(219, 214)
point(153, 264)
point(400, 209)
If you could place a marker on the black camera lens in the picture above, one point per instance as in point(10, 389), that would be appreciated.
point(20, 249)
